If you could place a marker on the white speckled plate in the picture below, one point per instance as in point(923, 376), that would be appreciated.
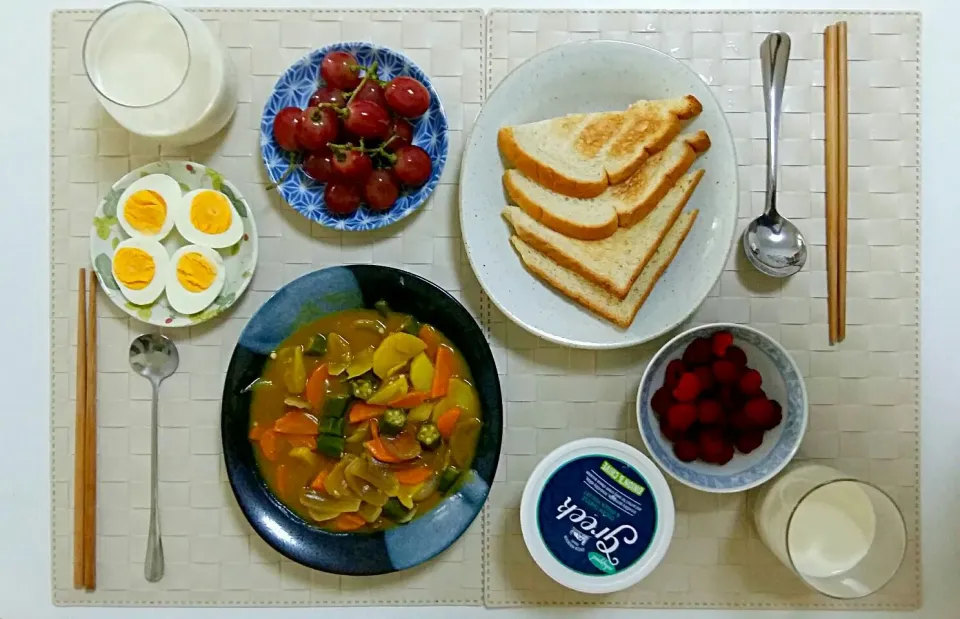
point(587, 77)
point(240, 259)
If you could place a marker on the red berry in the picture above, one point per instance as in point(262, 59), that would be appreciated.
point(750, 382)
point(681, 416)
point(698, 352)
point(709, 412)
point(285, 128)
point(366, 119)
point(370, 90)
point(730, 399)
point(413, 165)
point(713, 447)
point(341, 198)
point(671, 376)
point(759, 411)
point(407, 97)
point(318, 126)
point(705, 376)
point(750, 440)
point(340, 70)
point(726, 372)
point(381, 190)
point(662, 400)
point(327, 94)
point(740, 421)
point(736, 354)
point(319, 166)
point(670, 433)
point(685, 450)
point(353, 166)
point(720, 341)
point(688, 388)
point(776, 417)
point(401, 134)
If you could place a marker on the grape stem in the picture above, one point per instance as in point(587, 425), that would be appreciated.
point(292, 159)
point(372, 70)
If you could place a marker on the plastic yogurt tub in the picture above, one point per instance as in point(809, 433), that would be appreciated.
point(597, 515)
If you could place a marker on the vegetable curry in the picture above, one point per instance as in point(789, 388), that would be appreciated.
point(364, 419)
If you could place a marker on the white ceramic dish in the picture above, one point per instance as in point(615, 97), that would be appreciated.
point(585, 77)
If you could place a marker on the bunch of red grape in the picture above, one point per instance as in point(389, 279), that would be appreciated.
point(355, 135)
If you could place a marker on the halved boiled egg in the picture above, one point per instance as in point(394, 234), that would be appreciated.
point(148, 207)
point(208, 218)
point(195, 278)
point(140, 268)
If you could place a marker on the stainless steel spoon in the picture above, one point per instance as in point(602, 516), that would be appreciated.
point(773, 244)
point(154, 357)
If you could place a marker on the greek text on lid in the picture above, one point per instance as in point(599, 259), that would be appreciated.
point(607, 540)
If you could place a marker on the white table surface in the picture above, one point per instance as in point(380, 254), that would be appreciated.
point(24, 314)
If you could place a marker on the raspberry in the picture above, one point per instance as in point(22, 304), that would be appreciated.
point(720, 341)
point(671, 434)
point(709, 412)
point(730, 399)
point(748, 441)
point(736, 354)
point(681, 416)
point(759, 411)
point(688, 389)
point(698, 352)
point(750, 382)
point(725, 371)
point(685, 450)
point(776, 417)
point(740, 421)
point(705, 376)
point(672, 374)
point(713, 447)
point(661, 401)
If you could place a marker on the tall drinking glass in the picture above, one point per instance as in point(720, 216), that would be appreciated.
point(160, 72)
point(844, 537)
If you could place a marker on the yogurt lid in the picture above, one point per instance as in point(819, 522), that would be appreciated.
point(597, 515)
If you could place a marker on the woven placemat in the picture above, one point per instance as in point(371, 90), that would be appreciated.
point(864, 416)
point(212, 555)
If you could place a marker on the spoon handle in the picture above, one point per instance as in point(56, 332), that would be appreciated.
point(153, 562)
point(774, 54)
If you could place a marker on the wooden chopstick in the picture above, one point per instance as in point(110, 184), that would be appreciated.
point(79, 481)
point(832, 158)
point(90, 440)
point(843, 189)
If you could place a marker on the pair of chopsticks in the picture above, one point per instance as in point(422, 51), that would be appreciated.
point(85, 471)
point(835, 112)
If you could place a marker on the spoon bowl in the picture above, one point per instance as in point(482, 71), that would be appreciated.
point(154, 356)
point(774, 247)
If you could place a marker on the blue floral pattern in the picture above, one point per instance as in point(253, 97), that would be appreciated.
point(770, 458)
point(306, 195)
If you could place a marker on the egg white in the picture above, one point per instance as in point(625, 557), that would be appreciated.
point(185, 301)
point(190, 232)
point(151, 291)
point(167, 188)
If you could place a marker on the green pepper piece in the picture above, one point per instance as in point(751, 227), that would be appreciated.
point(448, 478)
point(317, 346)
point(410, 325)
point(333, 426)
point(394, 510)
point(429, 436)
point(383, 308)
point(330, 446)
point(392, 421)
point(336, 405)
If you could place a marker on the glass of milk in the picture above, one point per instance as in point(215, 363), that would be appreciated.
point(844, 537)
point(160, 72)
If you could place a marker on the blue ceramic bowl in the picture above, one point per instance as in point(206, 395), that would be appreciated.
point(782, 382)
point(308, 298)
point(304, 194)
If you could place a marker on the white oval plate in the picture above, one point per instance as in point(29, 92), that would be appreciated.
point(587, 77)
point(240, 259)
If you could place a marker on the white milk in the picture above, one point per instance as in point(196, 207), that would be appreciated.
point(157, 83)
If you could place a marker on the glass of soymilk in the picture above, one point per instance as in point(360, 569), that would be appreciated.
point(844, 537)
point(160, 72)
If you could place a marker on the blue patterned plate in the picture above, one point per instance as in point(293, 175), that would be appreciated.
point(310, 297)
point(782, 382)
point(306, 195)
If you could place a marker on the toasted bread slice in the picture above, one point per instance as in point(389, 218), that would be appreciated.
point(622, 205)
point(581, 154)
point(615, 262)
point(619, 311)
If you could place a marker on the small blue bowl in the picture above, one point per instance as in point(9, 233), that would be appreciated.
point(782, 382)
point(303, 300)
point(303, 193)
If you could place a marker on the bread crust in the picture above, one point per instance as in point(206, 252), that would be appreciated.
point(543, 173)
point(563, 226)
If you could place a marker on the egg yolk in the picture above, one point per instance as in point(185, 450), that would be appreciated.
point(145, 211)
point(134, 268)
point(210, 213)
point(195, 273)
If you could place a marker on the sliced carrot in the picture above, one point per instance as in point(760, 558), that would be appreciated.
point(297, 422)
point(413, 475)
point(348, 522)
point(447, 421)
point(414, 398)
point(268, 443)
point(375, 429)
point(302, 440)
point(361, 411)
point(431, 338)
point(282, 478)
point(378, 451)
point(442, 371)
point(255, 433)
point(317, 386)
point(317, 483)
